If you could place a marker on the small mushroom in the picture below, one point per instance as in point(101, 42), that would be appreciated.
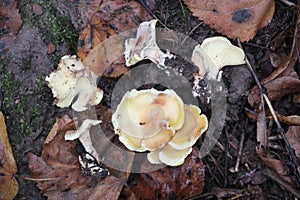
point(144, 46)
point(215, 53)
point(73, 79)
point(83, 134)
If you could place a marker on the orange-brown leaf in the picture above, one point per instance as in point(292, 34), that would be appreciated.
point(170, 182)
point(60, 175)
point(236, 19)
point(108, 19)
point(10, 23)
point(8, 184)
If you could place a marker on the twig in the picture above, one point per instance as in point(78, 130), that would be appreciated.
point(152, 14)
point(188, 35)
point(238, 160)
point(287, 2)
point(182, 8)
point(278, 179)
point(266, 98)
point(216, 163)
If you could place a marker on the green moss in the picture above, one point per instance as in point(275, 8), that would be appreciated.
point(55, 27)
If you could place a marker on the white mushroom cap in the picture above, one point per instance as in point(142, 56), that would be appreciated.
point(147, 119)
point(72, 79)
point(215, 53)
point(194, 125)
point(144, 46)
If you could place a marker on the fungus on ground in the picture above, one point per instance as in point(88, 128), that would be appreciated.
point(159, 122)
point(144, 46)
point(214, 53)
point(83, 134)
point(73, 79)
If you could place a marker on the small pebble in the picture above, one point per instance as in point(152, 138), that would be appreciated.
point(37, 9)
point(51, 48)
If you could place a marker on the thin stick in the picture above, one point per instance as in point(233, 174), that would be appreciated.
point(238, 160)
point(266, 98)
point(188, 35)
point(288, 3)
point(278, 179)
point(41, 179)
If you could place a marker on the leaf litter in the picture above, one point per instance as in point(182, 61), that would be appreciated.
point(48, 161)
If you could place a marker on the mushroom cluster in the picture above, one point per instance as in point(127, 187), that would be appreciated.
point(159, 122)
point(73, 79)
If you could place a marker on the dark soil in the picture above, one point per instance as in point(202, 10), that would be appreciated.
point(30, 113)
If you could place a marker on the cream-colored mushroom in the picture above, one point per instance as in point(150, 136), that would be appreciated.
point(194, 125)
point(215, 53)
point(181, 144)
point(173, 157)
point(83, 134)
point(144, 46)
point(147, 119)
point(73, 79)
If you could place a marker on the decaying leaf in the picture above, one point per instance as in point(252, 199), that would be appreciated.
point(261, 131)
point(284, 80)
point(144, 46)
point(109, 18)
point(290, 120)
point(273, 163)
point(10, 23)
point(59, 125)
point(8, 184)
point(169, 182)
point(293, 136)
point(60, 175)
point(236, 19)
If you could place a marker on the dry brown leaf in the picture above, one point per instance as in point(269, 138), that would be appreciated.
point(8, 184)
point(10, 23)
point(284, 80)
point(169, 182)
point(293, 136)
point(60, 173)
point(273, 163)
point(110, 18)
point(236, 19)
point(290, 120)
point(59, 125)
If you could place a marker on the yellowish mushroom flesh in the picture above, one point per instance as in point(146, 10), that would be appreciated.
point(149, 115)
point(153, 158)
point(194, 125)
point(173, 157)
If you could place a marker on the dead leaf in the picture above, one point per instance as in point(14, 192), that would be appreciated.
point(236, 19)
point(293, 136)
point(60, 175)
point(10, 23)
point(8, 184)
point(284, 80)
point(169, 182)
point(261, 132)
point(290, 120)
point(59, 125)
point(252, 192)
point(107, 18)
point(273, 163)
